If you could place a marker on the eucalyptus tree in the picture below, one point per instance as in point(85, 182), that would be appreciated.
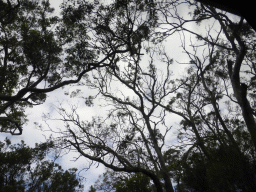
point(235, 41)
point(241, 9)
point(8, 11)
point(215, 98)
point(41, 52)
point(132, 138)
point(25, 168)
point(114, 181)
point(214, 125)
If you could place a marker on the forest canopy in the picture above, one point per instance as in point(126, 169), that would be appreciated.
point(175, 82)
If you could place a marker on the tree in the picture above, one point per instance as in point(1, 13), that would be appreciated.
point(237, 8)
point(112, 181)
point(41, 53)
point(92, 189)
point(214, 98)
point(220, 75)
point(8, 11)
point(130, 139)
point(26, 169)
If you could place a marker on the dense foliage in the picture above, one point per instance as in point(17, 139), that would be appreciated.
point(41, 52)
point(26, 169)
point(158, 129)
point(111, 181)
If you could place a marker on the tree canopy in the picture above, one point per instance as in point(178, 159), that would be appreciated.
point(41, 53)
point(183, 124)
point(26, 169)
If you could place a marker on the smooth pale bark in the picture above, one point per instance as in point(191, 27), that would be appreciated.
point(164, 170)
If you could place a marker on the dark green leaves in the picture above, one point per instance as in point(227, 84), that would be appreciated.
point(24, 168)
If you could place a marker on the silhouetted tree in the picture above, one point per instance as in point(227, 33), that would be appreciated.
point(26, 169)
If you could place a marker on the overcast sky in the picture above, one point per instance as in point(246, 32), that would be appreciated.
point(32, 134)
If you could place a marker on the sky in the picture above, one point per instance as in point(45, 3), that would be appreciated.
point(32, 133)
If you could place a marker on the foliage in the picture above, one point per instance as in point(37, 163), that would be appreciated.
point(112, 181)
point(136, 183)
point(122, 44)
point(213, 98)
point(26, 169)
point(40, 52)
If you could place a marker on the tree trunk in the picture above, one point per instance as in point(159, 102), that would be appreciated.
point(240, 92)
point(164, 170)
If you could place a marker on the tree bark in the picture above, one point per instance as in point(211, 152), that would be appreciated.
point(164, 170)
point(244, 104)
